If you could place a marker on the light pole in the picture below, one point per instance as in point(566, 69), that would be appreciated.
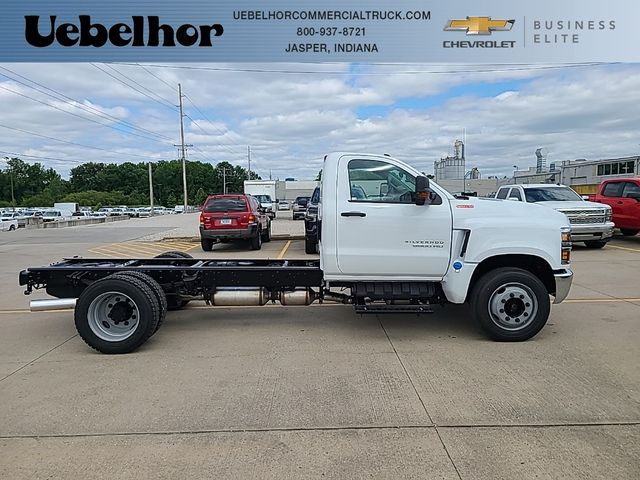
point(10, 168)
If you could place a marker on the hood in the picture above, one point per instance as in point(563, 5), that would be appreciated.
point(577, 205)
point(505, 214)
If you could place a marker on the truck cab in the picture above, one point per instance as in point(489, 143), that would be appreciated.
point(379, 236)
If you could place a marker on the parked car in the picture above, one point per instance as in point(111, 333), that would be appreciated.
point(590, 222)
point(233, 217)
point(300, 207)
point(144, 212)
point(117, 212)
point(283, 205)
point(8, 224)
point(81, 214)
point(311, 224)
point(55, 216)
point(267, 203)
point(623, 196)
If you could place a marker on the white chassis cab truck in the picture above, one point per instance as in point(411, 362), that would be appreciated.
point(390, 242)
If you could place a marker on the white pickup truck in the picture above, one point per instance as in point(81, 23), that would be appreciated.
point(590, 222)
point(390, 242)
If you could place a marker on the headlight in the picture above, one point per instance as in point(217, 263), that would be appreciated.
point(608, 215)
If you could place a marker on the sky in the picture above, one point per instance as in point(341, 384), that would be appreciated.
point(62, 115)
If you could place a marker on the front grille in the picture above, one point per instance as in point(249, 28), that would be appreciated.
point(586, 221)
point(598, 211)
point(585, 217)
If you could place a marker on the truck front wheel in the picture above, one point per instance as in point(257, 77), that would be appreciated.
point(511, 304)
point(628, 232)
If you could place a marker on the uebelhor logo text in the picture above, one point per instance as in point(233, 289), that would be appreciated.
point(120, 34)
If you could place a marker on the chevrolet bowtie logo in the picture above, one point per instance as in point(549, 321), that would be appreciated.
point(479, 25)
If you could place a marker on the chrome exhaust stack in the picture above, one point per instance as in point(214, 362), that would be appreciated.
point(48, 304)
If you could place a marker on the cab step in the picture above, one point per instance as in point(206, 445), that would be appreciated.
point(416, 309)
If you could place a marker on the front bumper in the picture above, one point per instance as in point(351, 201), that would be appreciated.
point(223, 234)
point(580, 233)
point(563, 284)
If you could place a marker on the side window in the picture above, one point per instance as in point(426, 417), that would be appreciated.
point(376, 181)
point(613, 189)
point(502, 193)
point(515, 193)
point(631, 189)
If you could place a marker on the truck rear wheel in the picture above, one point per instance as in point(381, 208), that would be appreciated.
point(116, 314)
point(628, 232)
point(157, 290)
point(511, 304)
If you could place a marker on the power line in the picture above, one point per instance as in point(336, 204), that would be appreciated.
point(168, 102)
point(518, 68)
point(18, 155)
point(156, 76)
point(75, 103)
point(163, 102)
point(114, 127)
point(73, 143)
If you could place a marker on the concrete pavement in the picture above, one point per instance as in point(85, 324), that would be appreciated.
point(320, 392)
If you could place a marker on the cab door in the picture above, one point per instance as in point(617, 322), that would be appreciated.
point(380, 229)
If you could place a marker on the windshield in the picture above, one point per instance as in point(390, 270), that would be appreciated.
point(263, 198)
point(551, 194)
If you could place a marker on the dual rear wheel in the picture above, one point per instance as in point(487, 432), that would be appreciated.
point(118, 313)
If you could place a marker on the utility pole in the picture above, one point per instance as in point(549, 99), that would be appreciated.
point(13, 198)
point(184, 160)
point(150, 189)
point(249, 160)
point(224, 180)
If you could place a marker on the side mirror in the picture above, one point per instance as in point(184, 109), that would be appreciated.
point(422, 190)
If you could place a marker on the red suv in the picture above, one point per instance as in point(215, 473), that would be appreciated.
point(233, 217)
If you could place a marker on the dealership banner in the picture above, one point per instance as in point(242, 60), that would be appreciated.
point(320, 31)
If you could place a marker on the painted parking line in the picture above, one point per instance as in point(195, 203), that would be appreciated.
point(144, 249)
point(637, 250)
point(283, 252)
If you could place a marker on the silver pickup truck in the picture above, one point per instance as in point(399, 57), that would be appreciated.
point(590, 222)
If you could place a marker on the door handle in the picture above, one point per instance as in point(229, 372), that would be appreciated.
point(353, 214)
